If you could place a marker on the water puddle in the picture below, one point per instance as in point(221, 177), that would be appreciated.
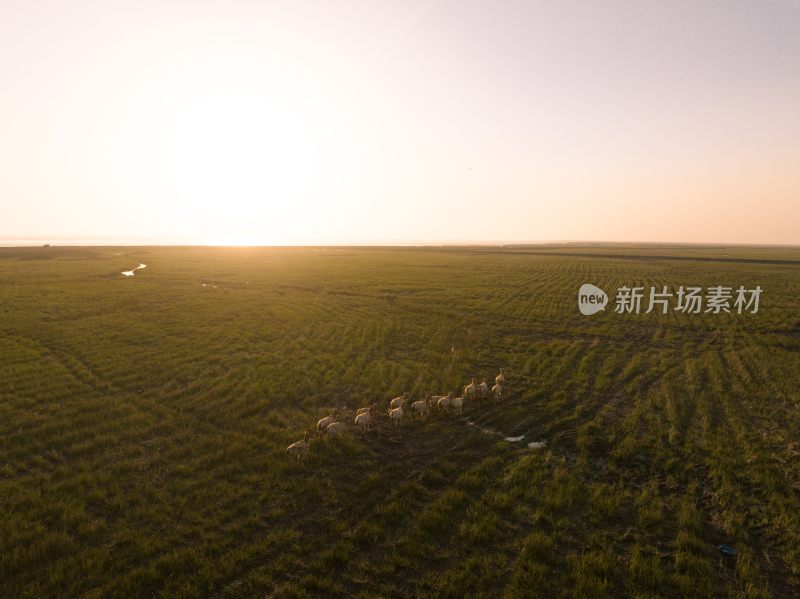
point(489, 431)
point(129, 273)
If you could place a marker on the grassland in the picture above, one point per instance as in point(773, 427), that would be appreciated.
point(143, 423)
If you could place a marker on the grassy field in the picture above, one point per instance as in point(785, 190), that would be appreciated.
point(144, 421)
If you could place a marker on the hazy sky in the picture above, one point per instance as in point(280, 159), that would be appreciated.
point(373, 121)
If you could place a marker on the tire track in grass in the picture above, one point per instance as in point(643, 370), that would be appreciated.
point(576, 350)
point(437, 456)
point(727, 470)
point(80, 411)
point(680, 408)
point(761, 495)
point(583, 412)
point(229, 513)
point(84, 375)
point(470, 497)
point(759, 372)
point(419, 453)
point(559, 429)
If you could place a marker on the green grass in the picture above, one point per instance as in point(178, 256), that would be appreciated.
point(144, 421)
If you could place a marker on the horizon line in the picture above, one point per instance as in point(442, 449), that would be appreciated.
point(27, 242)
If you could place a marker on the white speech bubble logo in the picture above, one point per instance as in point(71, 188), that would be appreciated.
point(591, 299)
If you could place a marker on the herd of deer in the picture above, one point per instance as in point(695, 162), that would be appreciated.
point(398, 407)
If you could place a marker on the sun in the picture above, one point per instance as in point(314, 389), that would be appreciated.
point(245, 165)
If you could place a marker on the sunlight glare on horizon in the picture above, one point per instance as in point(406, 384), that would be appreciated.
point(380, 122)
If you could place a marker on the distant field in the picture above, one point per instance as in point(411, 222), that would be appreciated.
point(144, 421)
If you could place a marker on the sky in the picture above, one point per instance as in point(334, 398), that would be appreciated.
point(256, 122)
